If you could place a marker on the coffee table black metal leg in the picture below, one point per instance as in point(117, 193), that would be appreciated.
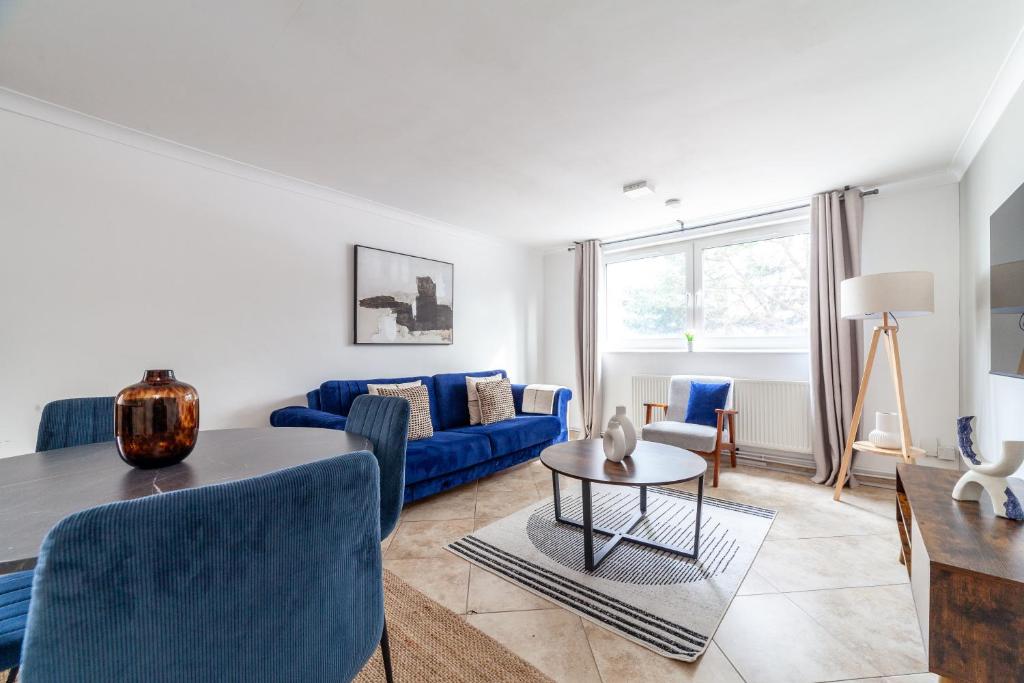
point(557, 496)
point(588, 528)
point(643, 499)
point(700, 505)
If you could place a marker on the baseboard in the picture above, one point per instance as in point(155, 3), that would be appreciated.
point(803, 464)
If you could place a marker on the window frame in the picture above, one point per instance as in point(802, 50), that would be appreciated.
point(694, 247)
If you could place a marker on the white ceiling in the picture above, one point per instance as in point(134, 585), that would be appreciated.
point(524, 118)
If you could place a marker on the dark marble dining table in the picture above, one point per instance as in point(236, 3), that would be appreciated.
point(37, 490)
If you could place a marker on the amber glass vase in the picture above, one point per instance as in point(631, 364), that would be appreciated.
point(156, 421)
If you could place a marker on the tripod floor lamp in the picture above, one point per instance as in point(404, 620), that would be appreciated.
point(888, 297)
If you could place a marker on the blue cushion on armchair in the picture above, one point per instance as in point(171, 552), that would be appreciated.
point(704, 400)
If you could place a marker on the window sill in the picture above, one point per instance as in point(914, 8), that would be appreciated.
point(706, 351)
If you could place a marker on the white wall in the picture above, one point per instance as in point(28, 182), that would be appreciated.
point(995, 173)
point(557, 346)
point(121, 252)
point(916, 228)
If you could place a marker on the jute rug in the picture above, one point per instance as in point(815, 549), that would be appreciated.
point(431, 643)
point(663, 601)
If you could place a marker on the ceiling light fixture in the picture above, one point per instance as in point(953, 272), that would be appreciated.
point(640, 188)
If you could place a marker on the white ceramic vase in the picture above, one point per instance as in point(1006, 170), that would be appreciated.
point(628, 430)
point(886, 433)
point(614, 443)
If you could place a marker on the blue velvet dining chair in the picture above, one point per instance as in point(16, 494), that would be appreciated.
point(277, 576)
point(14, 600)
point(64, 423)
point(384, 420)
point(76, 422)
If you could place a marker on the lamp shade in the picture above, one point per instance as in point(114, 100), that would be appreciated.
point(904, 295)
point(1008, 287)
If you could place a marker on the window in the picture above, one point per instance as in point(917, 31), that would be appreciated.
point(742, 290)
point(648, 297)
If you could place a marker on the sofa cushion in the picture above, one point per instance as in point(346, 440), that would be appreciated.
point(452, 397)
point(420, 424)
point(474, 397)
point(336, 396)
point(443, 453)
point(496, 403)
point(692, 437)
point(520, 432)
point(374, 389)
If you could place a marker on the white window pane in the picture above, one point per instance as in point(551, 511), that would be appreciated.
point(646, 297)
point(757, 289)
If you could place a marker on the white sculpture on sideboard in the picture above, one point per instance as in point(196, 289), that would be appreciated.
point(990, 477)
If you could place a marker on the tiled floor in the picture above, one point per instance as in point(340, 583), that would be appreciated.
point(826, 598)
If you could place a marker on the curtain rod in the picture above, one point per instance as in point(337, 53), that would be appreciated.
point(685, 228)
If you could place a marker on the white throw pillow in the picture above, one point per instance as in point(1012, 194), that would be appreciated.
point(474, 399)
point(372, 388)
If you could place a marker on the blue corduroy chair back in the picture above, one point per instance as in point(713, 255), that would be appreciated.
point(384, 420)
point(76, 422)
point(277, 576)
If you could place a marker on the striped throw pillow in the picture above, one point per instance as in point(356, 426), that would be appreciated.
point(420, 426)
point(496, 404)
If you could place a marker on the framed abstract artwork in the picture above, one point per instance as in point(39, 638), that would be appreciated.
point(402, 299)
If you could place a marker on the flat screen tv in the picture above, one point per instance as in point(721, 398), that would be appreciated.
point(1006, 286)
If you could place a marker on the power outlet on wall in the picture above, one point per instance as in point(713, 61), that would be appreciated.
point(947, 453)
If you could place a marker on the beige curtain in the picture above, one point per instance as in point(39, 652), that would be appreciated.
point(587, 292)
point(836, 222)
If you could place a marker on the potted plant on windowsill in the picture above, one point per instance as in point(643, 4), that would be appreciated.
point(689, 341)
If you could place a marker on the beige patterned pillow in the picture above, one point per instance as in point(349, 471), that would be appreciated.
point(496, 404)
point(420, 426)
point(474, 400)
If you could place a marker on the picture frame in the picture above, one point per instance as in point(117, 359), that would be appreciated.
point(402, 299)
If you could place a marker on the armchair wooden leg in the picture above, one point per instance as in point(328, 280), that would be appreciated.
point(732, 455)
point(718, 461)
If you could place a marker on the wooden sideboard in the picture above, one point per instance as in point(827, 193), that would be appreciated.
point(966, 571)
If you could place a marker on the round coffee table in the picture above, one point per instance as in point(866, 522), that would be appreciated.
point(651, 464)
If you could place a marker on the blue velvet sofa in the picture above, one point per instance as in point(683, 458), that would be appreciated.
point(458, 452)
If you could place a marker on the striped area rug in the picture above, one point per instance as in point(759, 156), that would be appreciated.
point(665, 602)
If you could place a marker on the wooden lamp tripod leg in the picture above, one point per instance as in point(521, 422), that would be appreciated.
point(858, 409)
point(893, 347)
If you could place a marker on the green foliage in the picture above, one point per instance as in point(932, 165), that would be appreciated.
point(650, 294)
point(757, 288)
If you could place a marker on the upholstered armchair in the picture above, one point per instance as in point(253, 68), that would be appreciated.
point(703, 439)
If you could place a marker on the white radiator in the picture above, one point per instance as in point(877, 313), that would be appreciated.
point(774, 415)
